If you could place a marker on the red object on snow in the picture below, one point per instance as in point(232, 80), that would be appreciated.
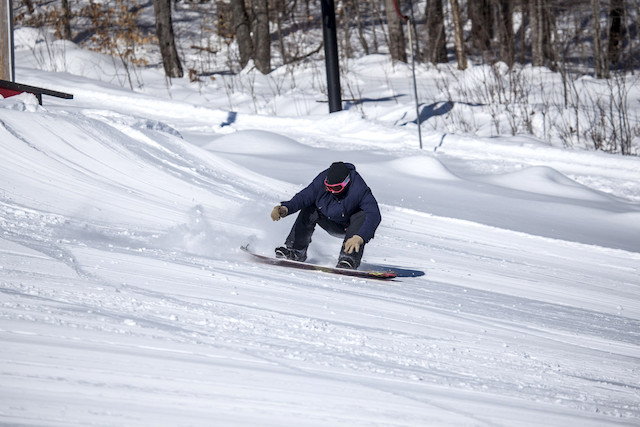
point(8, 92)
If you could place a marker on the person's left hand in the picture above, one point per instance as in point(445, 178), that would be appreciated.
point(353, 244)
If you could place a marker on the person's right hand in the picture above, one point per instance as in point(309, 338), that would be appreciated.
point(279, 212)
point(353, 244)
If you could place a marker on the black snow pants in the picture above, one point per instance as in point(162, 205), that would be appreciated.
point(300, 236)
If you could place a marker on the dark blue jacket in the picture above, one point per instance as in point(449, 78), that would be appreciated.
point(340, 209)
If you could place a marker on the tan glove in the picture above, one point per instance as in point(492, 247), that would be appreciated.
point(279, 212)
point(353, 243)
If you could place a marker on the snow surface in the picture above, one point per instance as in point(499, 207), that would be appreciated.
point(125, 300)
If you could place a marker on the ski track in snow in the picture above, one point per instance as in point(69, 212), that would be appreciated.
point(124, 299)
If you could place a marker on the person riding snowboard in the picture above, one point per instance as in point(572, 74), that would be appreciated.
point(340, 202)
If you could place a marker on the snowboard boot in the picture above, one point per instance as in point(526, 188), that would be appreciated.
point(347, 263)
point(292, 254)
point(350, 261)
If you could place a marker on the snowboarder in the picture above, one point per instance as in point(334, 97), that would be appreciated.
point(340, 202)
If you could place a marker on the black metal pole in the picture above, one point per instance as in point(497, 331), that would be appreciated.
point(331, 55)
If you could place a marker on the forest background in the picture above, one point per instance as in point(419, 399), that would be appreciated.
point(591, 47)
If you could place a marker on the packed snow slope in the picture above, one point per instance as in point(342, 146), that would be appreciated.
point(125, 300)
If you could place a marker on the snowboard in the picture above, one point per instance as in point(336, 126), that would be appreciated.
point(380, 275)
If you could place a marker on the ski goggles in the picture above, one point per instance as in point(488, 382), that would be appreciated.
point(336, 188)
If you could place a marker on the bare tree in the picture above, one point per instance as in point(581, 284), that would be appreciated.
point(459, 36)
point(550, 34)
point(633, 41)
point(251, 24)
point(280, 13)
point(242, 31)
point(616, 31)
point(397, 46)
point(598, 54)
point(5, 42)
point(261, 35)
point(504, 26)
point(481, 30)
point(360, 24)
point(344, 16)
point(437, 50)
point(536, 22)
point(166, 38)
point(65, 21)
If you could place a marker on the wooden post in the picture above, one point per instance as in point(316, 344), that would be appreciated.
point(6, 41)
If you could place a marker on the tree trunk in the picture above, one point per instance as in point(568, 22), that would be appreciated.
point(481, 31)
point(397, 46)
point(166, 39)
point(360, 26)
point(542, 22)
point(506, 39)
point(280, 12)
point(376, 19)
point(5, 41)
point(550, 34)
point(536, 24)
point(65, 31)
point(598, 55)
point(343, 14)
point(435, 31)
point(616, 31)
point(242, 31)
point(459, 36)
point(261, 36)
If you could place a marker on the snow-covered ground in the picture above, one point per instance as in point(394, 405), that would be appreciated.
point(125, 300)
